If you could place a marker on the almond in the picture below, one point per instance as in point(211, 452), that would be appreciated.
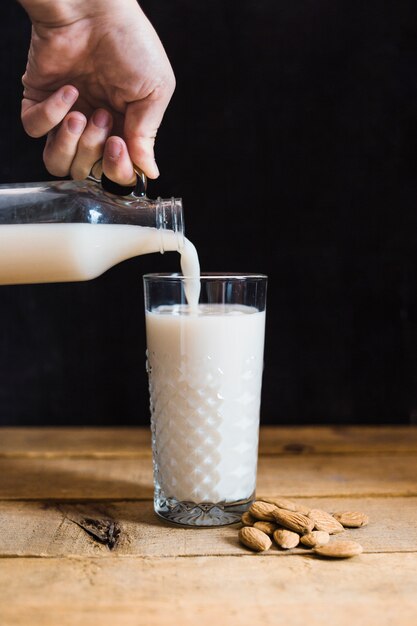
point(293, 521)
point(254, 539)
point(305, 510)
point(281, 503)
point(286, 538)
point(247, 519)
point(262, 511)
point(339, 549)
point(315, 538)
point(324, 521)
point(351, 519)
point(267, 527)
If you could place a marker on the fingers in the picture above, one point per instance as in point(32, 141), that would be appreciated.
point(91, 144)
point(62, 143)
point(143, 119)
point(117, 164)
point(144, 155)
point(75, 146)
point(70, 150)
point(38, 118)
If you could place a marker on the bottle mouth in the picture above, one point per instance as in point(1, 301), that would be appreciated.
point(178, 221)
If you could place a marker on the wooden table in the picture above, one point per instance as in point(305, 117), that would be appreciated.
point(80, 544)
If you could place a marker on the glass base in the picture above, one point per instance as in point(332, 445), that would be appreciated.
point(204, 514)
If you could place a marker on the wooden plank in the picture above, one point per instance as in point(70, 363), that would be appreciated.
point(135, 442)
point(75, 442)
point(76, 479)
point(338, 440)
point(125, 478)
point(334, 475)
point(60, 529)
point(234, 591)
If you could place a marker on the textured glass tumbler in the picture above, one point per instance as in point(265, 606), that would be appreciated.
point(205, 365)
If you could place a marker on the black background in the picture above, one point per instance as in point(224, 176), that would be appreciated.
point(292, 140)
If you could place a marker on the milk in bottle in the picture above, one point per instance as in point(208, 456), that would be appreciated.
point(75, 230)
point(39, 253)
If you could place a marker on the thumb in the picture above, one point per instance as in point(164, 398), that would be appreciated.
point(142, 121)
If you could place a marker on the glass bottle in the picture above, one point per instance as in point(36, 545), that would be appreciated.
point(59, 231)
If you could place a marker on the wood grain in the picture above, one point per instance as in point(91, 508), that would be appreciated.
point(127, 478)
point(136, 442)
point(58, 529)
point(233, 591)
point(79, 542)
point(75, 442)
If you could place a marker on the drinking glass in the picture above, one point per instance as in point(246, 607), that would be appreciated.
point(205, 364)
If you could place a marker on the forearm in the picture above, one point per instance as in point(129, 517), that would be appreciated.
point(63, 12)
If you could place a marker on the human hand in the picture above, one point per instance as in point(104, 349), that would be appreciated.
point(94, 67)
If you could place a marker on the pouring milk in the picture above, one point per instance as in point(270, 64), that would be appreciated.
point(36, 250)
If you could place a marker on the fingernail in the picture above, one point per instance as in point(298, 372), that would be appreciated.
point(69, 95)
point(101, 118)
point(76, 125)
point(113, 148)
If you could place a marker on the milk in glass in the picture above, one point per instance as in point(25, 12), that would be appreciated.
point(205, 365)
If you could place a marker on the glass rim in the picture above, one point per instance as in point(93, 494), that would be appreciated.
point(173, 276)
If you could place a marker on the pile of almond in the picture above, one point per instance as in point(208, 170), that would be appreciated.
point(291, 524)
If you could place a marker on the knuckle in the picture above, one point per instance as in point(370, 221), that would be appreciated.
point(54, 166)
point(88, 145)
point(79, 171)
point(171, 83)
point(49, 119)
point(31, 128)
point(56, 170)
point(165, 87)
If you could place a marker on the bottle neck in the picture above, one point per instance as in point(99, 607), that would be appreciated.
point(169, 217)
